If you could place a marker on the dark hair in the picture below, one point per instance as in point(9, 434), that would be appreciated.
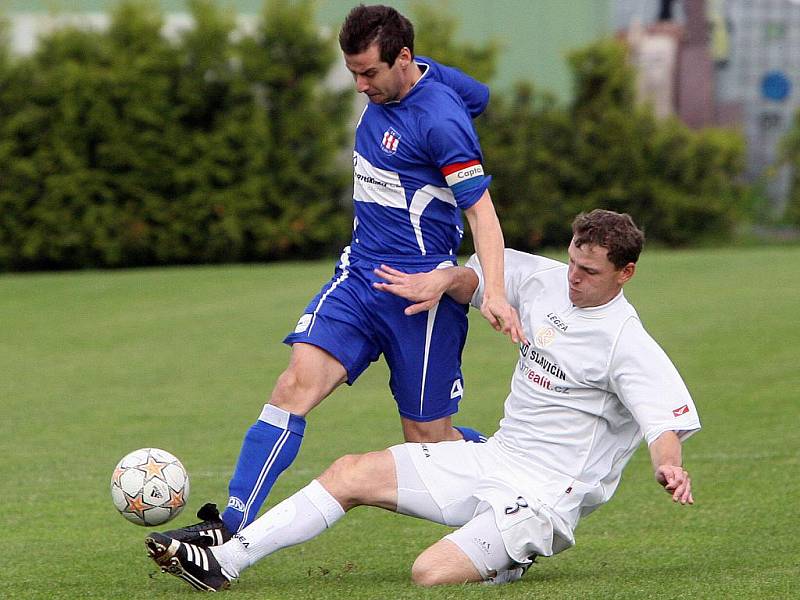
point(616, 232)
point(379, 24)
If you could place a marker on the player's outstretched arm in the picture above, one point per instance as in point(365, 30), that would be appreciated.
point(665, 454)
point(426, 289)
point(489, 246)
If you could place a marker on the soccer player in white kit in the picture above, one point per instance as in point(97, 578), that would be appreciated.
point(589, 386)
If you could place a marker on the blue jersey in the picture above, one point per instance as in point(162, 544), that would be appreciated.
point(474, 94)
point(417, 163)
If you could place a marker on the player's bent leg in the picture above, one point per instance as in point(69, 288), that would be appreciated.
point(350, 481)
point(444, 563)
point(273, 442)
point(311, 376)
point(475, 552)
point(297, 519)
point(375, 478)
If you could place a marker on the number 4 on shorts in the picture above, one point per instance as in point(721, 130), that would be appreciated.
point(457, 391)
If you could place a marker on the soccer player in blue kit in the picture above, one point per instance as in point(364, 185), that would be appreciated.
point(417, 165)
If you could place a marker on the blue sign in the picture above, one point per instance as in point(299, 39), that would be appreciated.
point(776, 86)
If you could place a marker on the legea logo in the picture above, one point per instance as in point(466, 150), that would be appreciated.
point(235, 504)
point(303, 323)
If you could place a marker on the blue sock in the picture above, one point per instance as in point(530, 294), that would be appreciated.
point(270, 446)
point(472, 435)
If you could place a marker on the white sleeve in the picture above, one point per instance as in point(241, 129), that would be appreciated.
point(518, 266)
point(649, 385)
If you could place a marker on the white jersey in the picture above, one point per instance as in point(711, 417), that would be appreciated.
point(591, 384)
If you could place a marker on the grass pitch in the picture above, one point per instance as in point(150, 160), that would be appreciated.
point(94, 365)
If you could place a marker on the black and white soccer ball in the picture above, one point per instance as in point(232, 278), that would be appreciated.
point(149, 486)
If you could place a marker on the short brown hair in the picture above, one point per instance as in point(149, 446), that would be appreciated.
point(366, 25)
point(616, 232)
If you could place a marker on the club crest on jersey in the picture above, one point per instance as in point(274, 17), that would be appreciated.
point(390, 141)
point(544, 337)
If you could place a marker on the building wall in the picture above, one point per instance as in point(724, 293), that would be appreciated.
point(763, 73)
point(755, 47)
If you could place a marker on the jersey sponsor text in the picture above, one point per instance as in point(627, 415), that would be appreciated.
point(540, 380)
point(556, 320)
point(550, 367)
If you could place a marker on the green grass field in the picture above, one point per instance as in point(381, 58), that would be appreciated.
point(94, 365)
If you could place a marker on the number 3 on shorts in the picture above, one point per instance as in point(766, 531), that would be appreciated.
point(520, 503)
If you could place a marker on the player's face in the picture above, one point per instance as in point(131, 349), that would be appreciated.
point(375, 78)
point(593, 279)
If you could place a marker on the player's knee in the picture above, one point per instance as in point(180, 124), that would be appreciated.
point(309, 378)
point(444, 563)
point(293, 394)
point(345, 480)
point(343, 469)
point(357, 479)
point(286, 385)
point(426, 572)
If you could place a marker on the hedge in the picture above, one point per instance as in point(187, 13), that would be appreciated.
point(123, 148)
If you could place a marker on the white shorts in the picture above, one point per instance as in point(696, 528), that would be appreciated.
point(453, 482)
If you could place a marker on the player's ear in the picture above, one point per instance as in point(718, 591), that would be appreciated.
point(625, 273)
point(404, 57)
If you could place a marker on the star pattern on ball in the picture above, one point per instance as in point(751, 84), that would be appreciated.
point(153, 468)
point(117, 474)
point(176, 499)
point(136, 505)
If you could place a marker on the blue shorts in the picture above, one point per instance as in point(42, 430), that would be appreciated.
point(356, 323)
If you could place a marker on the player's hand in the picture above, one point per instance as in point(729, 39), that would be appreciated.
point(503, 317)
point(676, 482)
point(423, 289)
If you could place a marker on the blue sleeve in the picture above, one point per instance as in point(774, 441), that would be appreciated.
point(474, 93)
point(454, 147)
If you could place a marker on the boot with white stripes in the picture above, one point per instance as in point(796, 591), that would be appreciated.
point(195, 565)
point(210, 531)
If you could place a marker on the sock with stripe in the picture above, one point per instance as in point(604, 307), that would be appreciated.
point(472, 435)
point(269, 447)
point(297, 519)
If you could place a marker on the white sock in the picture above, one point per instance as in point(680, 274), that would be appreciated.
point(297, 519)
point(231, 556)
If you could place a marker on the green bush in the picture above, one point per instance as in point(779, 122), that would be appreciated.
point(604, 151)
point(122, 148)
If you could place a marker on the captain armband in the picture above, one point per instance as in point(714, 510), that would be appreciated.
point(464, 177)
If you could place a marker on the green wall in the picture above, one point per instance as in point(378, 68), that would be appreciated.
point(535, 34)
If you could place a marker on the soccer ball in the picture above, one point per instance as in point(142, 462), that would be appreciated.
point(149, 486)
